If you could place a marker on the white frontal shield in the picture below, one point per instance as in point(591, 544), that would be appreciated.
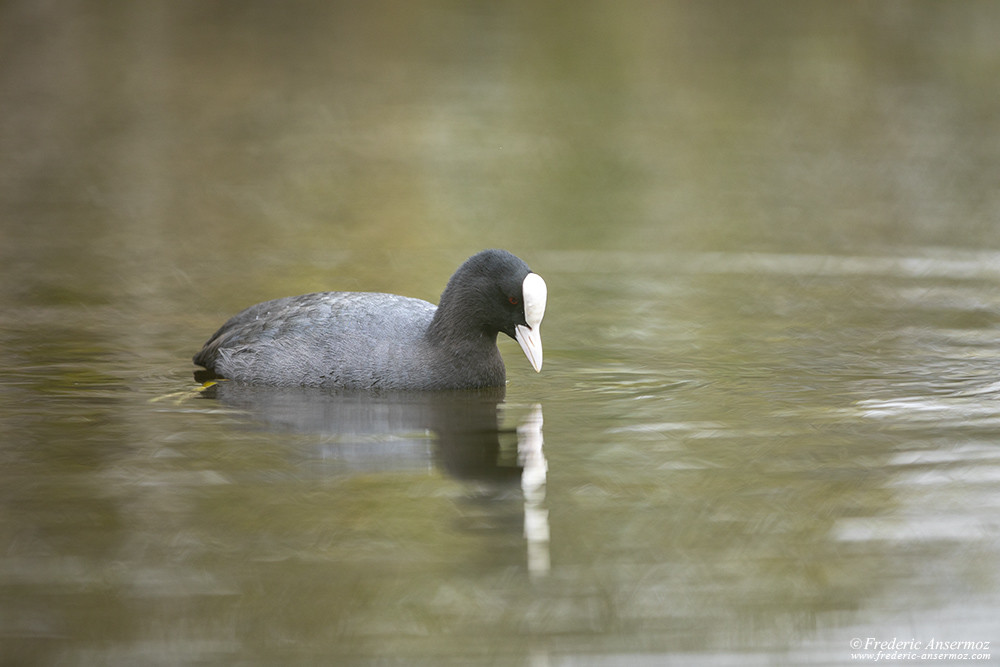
point(528, 337)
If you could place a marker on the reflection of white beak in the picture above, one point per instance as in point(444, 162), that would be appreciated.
point(529, 337)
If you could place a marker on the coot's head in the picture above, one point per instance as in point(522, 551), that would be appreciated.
point(495, 291)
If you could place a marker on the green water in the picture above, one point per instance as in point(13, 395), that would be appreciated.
point(767, 424)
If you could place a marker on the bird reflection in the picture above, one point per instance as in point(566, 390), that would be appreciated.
point(534, 472)
point(389, 431)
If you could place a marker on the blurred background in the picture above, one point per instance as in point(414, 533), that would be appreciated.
point(176, 137)
point(771, 233)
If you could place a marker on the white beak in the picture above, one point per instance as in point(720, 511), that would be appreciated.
point(529, 337)
point(531, 342)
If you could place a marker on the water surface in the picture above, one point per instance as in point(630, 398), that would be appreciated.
point(767, 424)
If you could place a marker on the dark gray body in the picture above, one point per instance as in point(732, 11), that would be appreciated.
point(366, 340)
point(352, 340)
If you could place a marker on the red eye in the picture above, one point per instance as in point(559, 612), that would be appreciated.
point(513, 300)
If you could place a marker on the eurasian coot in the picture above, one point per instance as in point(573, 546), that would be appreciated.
point(365, 340)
